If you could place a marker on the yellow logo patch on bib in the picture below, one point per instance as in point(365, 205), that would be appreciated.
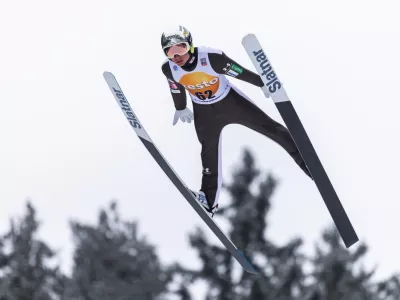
point(200, 84)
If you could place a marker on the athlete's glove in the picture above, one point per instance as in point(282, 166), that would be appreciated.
point(185, 115)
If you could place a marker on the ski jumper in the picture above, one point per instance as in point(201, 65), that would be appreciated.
point(217, 103)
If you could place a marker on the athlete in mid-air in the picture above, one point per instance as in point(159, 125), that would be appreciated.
point(216, 103)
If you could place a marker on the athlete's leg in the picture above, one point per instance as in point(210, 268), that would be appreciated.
point(251, 116)
point(209, 127)
point(212, 173)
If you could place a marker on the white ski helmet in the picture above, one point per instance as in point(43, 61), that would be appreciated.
point(176, 35)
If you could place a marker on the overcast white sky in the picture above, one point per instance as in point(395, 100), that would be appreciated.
point(66, 144)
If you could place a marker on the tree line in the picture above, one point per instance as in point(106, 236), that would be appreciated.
point(113, 260)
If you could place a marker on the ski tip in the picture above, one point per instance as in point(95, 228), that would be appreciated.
point(248, 267)
point(107, 74)
point(249, 36)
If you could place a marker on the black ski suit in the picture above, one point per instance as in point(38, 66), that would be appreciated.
point(217, 103)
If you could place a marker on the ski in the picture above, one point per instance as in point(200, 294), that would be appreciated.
point(172, 175)
point(274, 88)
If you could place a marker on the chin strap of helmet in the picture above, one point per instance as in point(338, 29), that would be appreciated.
point(192, 58)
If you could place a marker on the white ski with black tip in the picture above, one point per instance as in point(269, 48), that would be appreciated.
point(178, 182)
point(273, 88)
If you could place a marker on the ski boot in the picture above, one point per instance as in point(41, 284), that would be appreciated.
point(202, 199)
point(300, 162)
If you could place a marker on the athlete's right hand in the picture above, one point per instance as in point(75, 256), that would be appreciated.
point(185, 115)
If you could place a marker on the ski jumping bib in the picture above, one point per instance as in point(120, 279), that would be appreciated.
point(204, 85)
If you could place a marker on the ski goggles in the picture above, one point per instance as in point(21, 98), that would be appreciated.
point(177, 49)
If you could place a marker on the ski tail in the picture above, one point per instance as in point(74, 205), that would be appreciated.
point(171, 174)
point(273, 88)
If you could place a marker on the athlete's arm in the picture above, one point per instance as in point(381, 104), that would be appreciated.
point(223, 64)
point(177, 90)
